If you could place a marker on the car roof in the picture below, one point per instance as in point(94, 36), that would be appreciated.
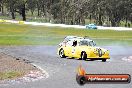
point(73, 37)
point(70, 36)
point(76, 38)
point(81, 39)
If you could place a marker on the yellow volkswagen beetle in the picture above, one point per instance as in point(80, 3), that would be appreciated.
point(83, 49)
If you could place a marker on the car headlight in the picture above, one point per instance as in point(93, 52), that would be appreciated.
point(99, 52)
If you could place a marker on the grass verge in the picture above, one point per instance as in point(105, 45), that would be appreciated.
point(16, 34)
point(9, 75)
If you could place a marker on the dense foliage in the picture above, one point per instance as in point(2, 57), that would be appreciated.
point(72, 11)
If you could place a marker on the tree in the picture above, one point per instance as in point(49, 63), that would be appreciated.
point(73, 11)
point(11, 4)
point(116, 10)
point(2, 6)
point(31, 5)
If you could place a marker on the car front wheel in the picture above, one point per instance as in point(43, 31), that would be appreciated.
point(83, 56)
point(61, 53)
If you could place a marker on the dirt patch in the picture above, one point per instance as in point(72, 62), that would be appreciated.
point(18, 70)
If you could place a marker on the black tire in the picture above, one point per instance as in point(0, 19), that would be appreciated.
point(83, 56)
point(91, 59)
point(80, 80)
point(61, 53)
point(103, 60)
point(100, 52)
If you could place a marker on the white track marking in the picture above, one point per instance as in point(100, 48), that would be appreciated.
point(43, 71)
point(66, 26)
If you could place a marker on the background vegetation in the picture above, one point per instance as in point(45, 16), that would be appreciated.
point(9, 75)
point(101, 12)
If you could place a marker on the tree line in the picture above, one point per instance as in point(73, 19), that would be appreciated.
point(72, 11)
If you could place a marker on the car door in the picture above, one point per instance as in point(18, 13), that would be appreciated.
point(68, 49)
point(74, 49)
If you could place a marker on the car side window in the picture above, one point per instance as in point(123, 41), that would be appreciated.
point(74, 43)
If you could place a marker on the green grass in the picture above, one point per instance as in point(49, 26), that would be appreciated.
point(15, 34)
point(9, 75)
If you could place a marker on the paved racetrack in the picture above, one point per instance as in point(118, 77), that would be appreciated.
point(62, 72)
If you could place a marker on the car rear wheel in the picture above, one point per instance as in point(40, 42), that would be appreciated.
point(61, 53)
point(103, 60)
point(83, 56)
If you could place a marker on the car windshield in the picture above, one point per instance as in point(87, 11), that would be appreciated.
point(87, 43)
point(69, 37)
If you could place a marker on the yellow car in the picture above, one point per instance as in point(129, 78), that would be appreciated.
point(83, 49)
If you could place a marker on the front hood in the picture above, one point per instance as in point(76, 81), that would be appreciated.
point(100, 48)
point(85, 48)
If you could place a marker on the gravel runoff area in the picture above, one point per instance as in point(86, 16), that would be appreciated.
point(62, 72)
point(17, 70)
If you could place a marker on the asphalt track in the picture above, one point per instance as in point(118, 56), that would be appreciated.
point(62, 72)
